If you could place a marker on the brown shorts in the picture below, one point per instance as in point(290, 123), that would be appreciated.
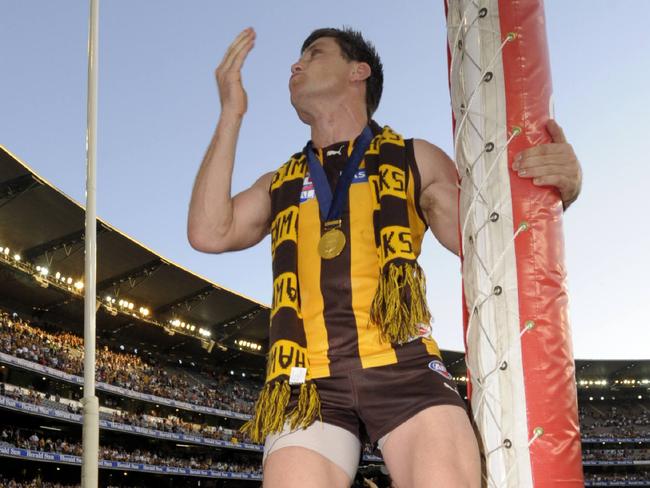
point(372, 402)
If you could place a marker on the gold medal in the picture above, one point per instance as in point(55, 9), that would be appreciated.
point(331, 243)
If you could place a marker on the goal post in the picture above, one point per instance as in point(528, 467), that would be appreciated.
point(521, 373)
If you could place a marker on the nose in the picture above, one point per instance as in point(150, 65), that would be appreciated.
point(296, 67)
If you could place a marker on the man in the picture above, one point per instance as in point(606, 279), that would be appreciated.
point(351, 354)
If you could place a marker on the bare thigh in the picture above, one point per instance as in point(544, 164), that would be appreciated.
point(299, 467)
point(435, 448)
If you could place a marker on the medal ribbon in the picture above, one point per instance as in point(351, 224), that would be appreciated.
point(332, 206)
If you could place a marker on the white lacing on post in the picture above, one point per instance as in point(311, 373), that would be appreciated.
point(494, 329)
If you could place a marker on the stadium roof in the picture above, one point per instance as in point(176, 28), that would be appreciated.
point(46, 227)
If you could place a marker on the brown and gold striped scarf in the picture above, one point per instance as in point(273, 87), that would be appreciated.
point(399, 305)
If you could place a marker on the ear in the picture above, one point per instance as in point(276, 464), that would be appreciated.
point(361, 72)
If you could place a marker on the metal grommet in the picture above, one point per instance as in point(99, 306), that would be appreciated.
point(460, 44)
point(471, 239)
point(482, 13)
point(538, 431)
point(468, 171)
point(516, 130)
point(511, 36)
point(523, 225)
point(488, 76)
point(498, 290)
point(507, 443)
point(475, 310)
point(504, 366)
point(494, 216)
point(489, 147)
point(529, 325)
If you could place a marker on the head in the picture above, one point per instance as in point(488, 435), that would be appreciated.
point(337, 62)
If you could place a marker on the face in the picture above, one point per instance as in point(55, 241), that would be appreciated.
point(321, 72)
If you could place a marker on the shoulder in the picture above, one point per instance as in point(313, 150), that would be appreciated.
point(264, 181)
point(293, 168)
point(433, 164)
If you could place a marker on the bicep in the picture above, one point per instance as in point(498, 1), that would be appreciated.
point(439, 194)
point(251, 215)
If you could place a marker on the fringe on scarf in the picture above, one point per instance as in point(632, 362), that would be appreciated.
point(399, 306)
point(270, 410)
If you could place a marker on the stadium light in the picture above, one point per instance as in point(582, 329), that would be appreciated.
point(17, 257)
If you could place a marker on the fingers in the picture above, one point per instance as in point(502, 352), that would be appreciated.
point(550, 149)
point(561, 171)
point(560, 182)
point(244, 41)
point(556, 132)
point(549, 169)
point(241, 53)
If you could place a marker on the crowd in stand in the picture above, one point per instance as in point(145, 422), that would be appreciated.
point(169, 424)
point(36, 483)
point(64, 351)
point(172, 424)
point(616, 454)
point(638, 476)
point(31, 440)
point(612, 420)
point(25, 439)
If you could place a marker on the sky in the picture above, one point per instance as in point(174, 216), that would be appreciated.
point(158, 107)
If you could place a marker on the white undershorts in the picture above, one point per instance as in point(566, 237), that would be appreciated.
point(330, 441)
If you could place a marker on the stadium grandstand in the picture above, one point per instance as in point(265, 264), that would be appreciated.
point(179, 362)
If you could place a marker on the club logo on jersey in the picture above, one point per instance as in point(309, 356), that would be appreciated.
point(439, 368)
point(308, 191)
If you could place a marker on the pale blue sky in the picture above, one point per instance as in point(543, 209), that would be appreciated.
point(158, 106)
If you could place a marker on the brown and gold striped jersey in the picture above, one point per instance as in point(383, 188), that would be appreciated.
point(336, 294)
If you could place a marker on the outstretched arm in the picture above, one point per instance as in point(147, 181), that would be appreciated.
point(216, 221)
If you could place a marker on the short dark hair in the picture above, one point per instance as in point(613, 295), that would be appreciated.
point(355, 48)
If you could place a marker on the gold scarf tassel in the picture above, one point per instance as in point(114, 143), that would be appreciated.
point(270, 410)
point(397, 316)
point(307, 409)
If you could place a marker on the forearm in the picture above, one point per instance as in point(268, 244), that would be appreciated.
point(211, 207)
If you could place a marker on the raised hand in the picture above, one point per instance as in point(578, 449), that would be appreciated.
point(554, 164)
point(231, 90)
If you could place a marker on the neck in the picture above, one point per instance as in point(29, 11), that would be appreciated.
point(342, 123)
